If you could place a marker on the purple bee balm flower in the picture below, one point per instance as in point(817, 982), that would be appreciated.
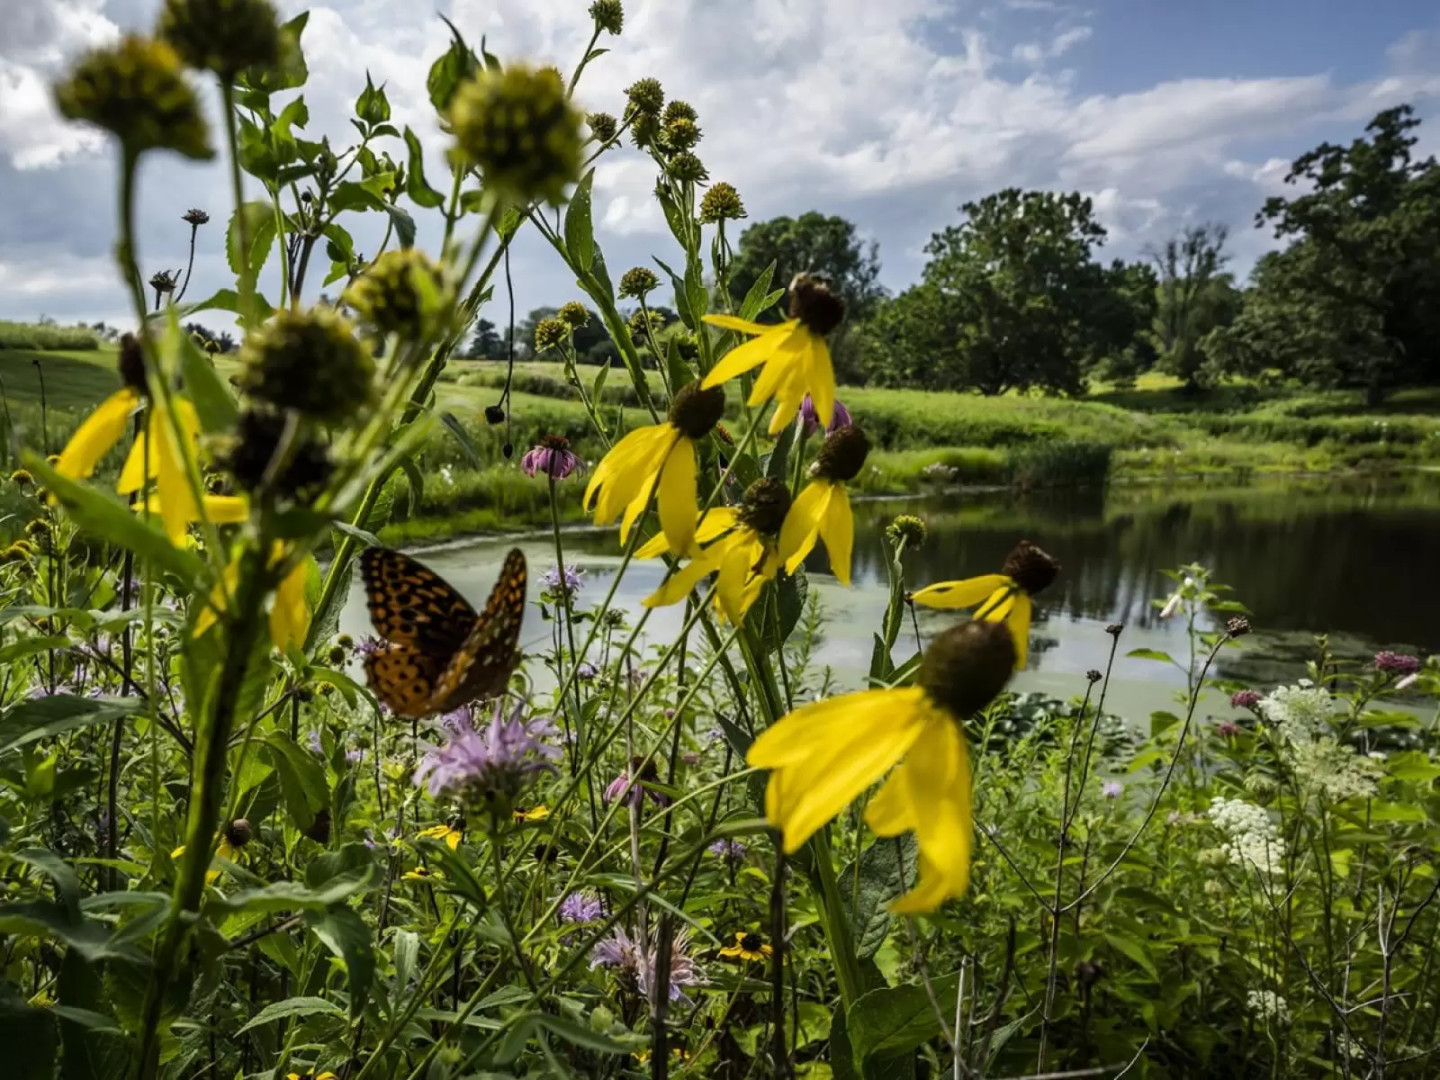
point(840, 419)
point(1111, 789)
point(1227, 728)
point(624, 955)
point(552, 457)
point(586, 671)
point(355, 755)
point(313, 741)
point(616, 951)
point(1245, 699)
point(571, 579)
point(1396, 663)
point(497, 761)
point(622, 788)
point(581, 907)
point(730, 850)
point(368, 646)
point(43, 691)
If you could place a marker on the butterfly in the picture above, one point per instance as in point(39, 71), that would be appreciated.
point(439, 654)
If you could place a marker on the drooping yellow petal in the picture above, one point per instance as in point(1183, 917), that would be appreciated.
point(786, 357)
point(741, 563)
point(289, 615)
point(837, 529)
point(739, 325)
point(678, 585)
point(677, 504)
point(1019, 623)
point(219, 509)
point(802, 523)
point(216, 604)
point(751, 354)
point(625, 469)
point(710, 525)
point(832, 751)
point(99, 433)
point(961, 594)
point(821, 381)
point(172, 486)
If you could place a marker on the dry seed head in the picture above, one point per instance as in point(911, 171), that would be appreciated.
point(1030, 568)
point(966, 666)
point(765, 505)
point(223, 36)
point(695, 412)
point(309, 361)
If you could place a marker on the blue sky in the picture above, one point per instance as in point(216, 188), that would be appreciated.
point(891, 114)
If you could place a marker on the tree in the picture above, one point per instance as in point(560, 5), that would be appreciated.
point(486, 343)
point(224, 340)
point(1012, 298)
point(1351, 300)
point(1193, 298)
point(821, 245)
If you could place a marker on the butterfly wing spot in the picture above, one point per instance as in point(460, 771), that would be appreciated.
point(403, 678)
point(482, 666)
point(412, 605)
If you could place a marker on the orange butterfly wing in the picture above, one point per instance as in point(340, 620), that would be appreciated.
point(410, 604)
point(404, 678)
point(482, 666)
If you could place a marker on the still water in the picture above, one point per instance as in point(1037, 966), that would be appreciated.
point(1355, 560)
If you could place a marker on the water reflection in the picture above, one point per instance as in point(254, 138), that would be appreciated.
point(1353, 560)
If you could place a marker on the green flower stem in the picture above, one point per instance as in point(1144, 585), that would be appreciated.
point(838, 936)
point(584, 60)
point(211, 744)
point(237, 191)
point(569, 622)
point(125, 253)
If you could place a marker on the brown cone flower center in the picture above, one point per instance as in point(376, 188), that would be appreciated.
point(815, 305)
point(966, 666)
point(695, 412)
point(765, 505)
point(1030, 568)
point(842, 454)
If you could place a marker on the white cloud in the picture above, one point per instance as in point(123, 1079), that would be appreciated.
point(849, 107)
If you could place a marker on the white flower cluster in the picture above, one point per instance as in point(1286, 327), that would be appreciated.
point(1337, 772)
point(1299, 712)
point(1268, 1005)
point(1251, 839)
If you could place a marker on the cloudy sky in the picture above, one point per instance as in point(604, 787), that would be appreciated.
point(890, 113)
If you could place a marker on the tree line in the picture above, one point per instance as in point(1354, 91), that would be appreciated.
point(1015, 296)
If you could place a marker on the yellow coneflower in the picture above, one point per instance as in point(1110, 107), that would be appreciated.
point(421, 874)
point(535, 813)
point(223, 850)
point(289, 613)
point(748, 946)
point(657, 459)
point(794, 352)
point(448, 833)
point(825, 755)
point(1003, 597)
point(822, 510)
point(743, 559)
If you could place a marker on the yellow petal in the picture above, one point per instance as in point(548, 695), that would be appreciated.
point(751, 354)
point(653, 548)
point(624, 470)
point(937, 781)
point(226, 509)
point(289, 615)
point(1019, 622)
point(99, 433)
point(739, 325)
point(216, 604)
point(678, 505)
point(143, 451)
point(802, 523)
point(678, 585)
point(821, 381)
point(837, 529)
point(786, 357)
point(715, 522)
point(832, 751)
point(961, 594)
point(172, 485)
point(452, 840)
point(735, 557)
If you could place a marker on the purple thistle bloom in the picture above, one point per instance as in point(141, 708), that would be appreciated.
point(499, 761)
point(840, 419)
point(571, 579)
point(580, 907)
point(552, 457)
point(622, 788)
point(1396, 663)
point(1245, 699)
point(1111, 789)
point(615, 951)
point(731, 850)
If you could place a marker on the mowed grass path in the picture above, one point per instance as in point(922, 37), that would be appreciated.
point(73, 380)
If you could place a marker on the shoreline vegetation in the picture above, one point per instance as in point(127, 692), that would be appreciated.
point(928, 442)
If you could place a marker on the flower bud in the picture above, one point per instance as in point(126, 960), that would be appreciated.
point(309, 361)
point(687, 168)
point(647, 96)
point(679, 110)
point(550, 334)
point(721, 203)
point(603, 126)
point(638, 282)
point(966, 666)
point(137, 91)
point(909, 528)
point(223, 36)
point(494, 414)
point(609, 15)
point(574, 315)
point(402, 293)
point(681, 135)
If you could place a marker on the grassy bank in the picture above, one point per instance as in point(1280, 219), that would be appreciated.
point(1152, 432)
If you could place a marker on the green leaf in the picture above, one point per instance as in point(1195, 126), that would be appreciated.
point(372, 106)
point(895, 1020)
point(1162, 721)
point(579, 228)
point(28, 1036)
point(793, 589)
point(214, 404)
point(291, 72)
point(1135, 950)
point(406, 952)
point(527, 1025)
point(884, 870)
point(467, 446)
point(42, 718)
point(227, 300)
point(347, 935)
point(754, 302)
point(302, 779)
point(457, 64)
point(40, 918)
point(297, 1006)
point(105, 516)
point(259, 222)
point(91, 1051)
point(421, 193)
point(293, 896)
point(404, 225)
point(1151, 654)
point(18, 650)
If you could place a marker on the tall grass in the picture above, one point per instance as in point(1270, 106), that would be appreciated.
point(46, 336)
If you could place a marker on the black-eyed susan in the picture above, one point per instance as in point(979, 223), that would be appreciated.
point(822, 510)
point(289, 613)
point(794, 352)
point(1003, 597)
point(232, 839)
point(535, 813)
point(657, 459)
point(447, 834)
point(326, 1075)
point(422, 874)
point(748, 946)
point(743, 559)
point(823, 756)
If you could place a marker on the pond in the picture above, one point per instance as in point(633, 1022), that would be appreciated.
point(1355, 560)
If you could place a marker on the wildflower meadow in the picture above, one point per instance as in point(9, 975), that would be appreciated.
point(514, 834)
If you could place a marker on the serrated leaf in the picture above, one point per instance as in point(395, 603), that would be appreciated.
point(885, 870)
point(895, 1020)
